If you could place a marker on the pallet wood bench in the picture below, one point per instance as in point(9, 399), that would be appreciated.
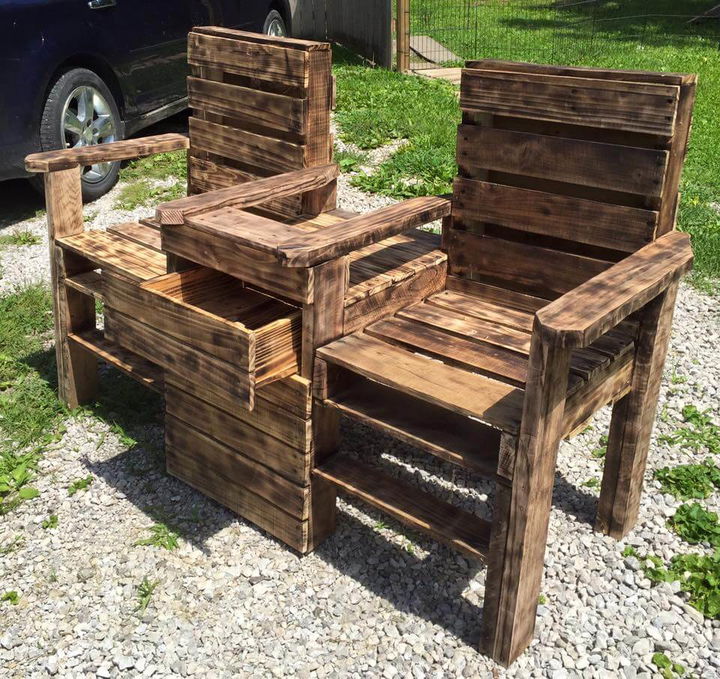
point(263, 313)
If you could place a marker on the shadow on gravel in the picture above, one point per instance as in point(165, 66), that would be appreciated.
point(19, 202)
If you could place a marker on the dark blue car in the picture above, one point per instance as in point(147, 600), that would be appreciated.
point(76, 72)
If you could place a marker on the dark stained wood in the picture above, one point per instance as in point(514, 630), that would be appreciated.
point(139, 233)
point(89, 283)
point(357, 232)
point(573, 161)
point(455, 527)
point(497, 295)
point(633, 418)
point(638, 107)
point(616, 227)
point(588, 311)
point(246, 195)
point(63, 159)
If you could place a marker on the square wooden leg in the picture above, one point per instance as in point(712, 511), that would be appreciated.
point(633, 417)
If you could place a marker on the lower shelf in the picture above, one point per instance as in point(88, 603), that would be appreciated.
point(148, 374)
point(440, 520)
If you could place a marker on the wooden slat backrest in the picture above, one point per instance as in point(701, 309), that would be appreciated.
point(563, 171)
point(261, 106)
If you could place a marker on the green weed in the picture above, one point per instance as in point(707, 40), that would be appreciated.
point(695, 524)
point(542, 599)
point(145, 591)
point(160, 536)
point(142, 176)
point(80, 484)
point(50, 522)
point(12, 545)
point(19, 238)
point(700, 433)
point(11, 596)
point(350, 161)
point(592, 483)
point(667, 668)
point(688, 481)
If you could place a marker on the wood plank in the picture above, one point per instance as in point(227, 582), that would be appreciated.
point(585, 221)
point(238, 498)
point(116, 254)
point(590, 310)
point(73, 311)
point(286, 68)
point(237, 468)
point(486, 359)
point(393, 297)
point(139, 233)
point(449, 436)
point(283, 42)
point(496, 295)
point(246, 194)
point(64, 159)
point(218, 376)
point(255, 150)
point(573, 161)
point(240, 436)
point(638, 107)
point(146, 373)
point(357, 232)
point(473, 395)
point(527, 268)
point(249, 265)
point(444, 522)
point(248, 106)
point(484, 309)
point(269, 417)
point(89, 283)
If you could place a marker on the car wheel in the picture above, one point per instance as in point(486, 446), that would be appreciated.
point(80, 110)
point(275, 24)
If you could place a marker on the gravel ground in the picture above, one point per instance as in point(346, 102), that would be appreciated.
point(373, 600)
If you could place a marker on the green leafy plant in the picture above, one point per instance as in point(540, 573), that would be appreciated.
point(630, 551)
point(11, 596)
point(700, 431)
point(50, 522)
point(19, 238)
point(542, 599)
point(350, 161)
point(80, 484)
point(592, 483)
point(695, 524)
point(160, 536)
point(145, 591)
point(688, 481)
point(667, 668)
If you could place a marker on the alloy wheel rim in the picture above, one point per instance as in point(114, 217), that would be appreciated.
point(276, 29)
point(87, 120)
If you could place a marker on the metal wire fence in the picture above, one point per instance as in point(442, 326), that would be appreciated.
point(591, 32)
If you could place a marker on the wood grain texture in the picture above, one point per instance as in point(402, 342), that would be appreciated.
point(473, 395)
point(648, 108)
point(357, 232)
point(588, 311)
point(64, 159)
point(247, 194)
point(89, 283)
point(615, 227)
point(147, 236)
point(633, 418)
point(573, 161)
point(456, 527)
point(73, 311)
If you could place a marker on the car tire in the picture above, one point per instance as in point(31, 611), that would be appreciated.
point(80, 110)
point(275, 24)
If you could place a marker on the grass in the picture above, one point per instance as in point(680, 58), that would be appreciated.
point(376, 106)
point(19, 238)
point(145, 590)
point(12, 596)
point(80, 484)
point(142, 177)
point(699, 432)
point(160, 536)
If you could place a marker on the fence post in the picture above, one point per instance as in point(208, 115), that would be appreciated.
point(403, 35)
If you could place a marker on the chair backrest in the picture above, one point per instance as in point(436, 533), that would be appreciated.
point(562, 171)
point(261, 106)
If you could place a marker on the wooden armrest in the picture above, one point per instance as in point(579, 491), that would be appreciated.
point(582, 315)
point(247, 194)
point(357, 232)
point(64, 159)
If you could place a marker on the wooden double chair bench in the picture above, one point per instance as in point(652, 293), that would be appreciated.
point(263, 313)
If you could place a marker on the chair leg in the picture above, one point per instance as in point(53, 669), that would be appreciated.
point(632, 420)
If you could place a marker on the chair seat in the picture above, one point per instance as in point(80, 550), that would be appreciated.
point(463, 353)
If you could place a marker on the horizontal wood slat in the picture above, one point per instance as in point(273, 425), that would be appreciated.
point(455, 527)
point(601, 224)
point(249, 106)
point(527, 268)
point(274, 155)
point(142, 234)
point(647, 108)
point(278, 65)
point(574, 161)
